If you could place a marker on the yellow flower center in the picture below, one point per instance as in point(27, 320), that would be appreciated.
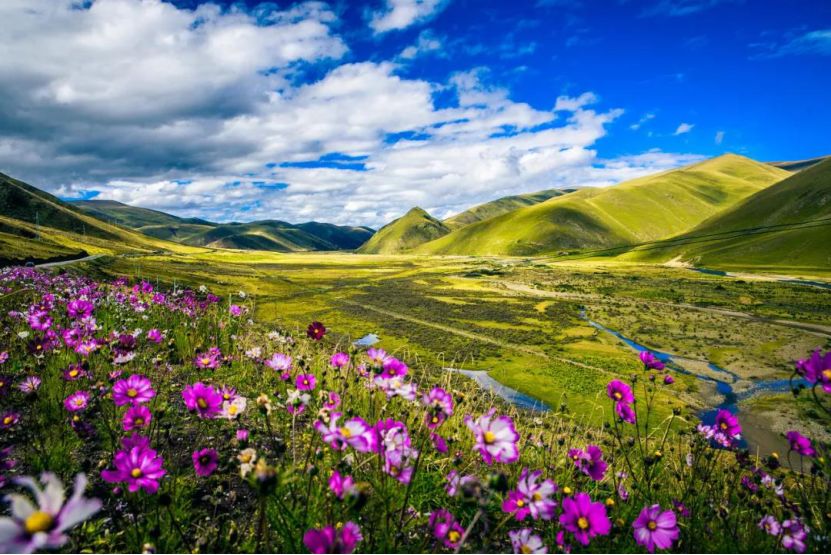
point(525, 549)
point(520, 503)
point(206, 361)
point(537, 496)
point(245, 458)
point(652, 525)
point(79, 402)
point(827, 374)
point(132, 392)
point(435, 420)
point(135, 473)
point(618, 396)
point(345, 432)
point(8, 420)
point(489, 437)
point(139, 421)
point(38, 522)
point(582, 523)
point(454, 536)
point(723, 425)
point(232, 410)
point(73, 373)
point(201, 403)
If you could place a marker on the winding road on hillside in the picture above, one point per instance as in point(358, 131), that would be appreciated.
point(69, 262)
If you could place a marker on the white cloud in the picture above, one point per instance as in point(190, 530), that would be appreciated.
point(427, 43)
point(400, 14)
point(816, 42)
point(719, 138)
point(640, 123)
point(684, 128)
point(570, 104)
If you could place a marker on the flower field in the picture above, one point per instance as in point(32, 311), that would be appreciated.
point(135, 419)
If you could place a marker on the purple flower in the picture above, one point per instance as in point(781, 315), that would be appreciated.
point(456, 481)
point(333, 540)
point(236, 310)
point(728, 424)
point(279, 362)
point(137, 416)
point(9, 419)
point(650, 361)
point(496, 438)
point(74, 372)
point(625, 412)
point(446, 529)
point(800, 444)
point(210, 359)
point(40, 320)
point(376, 356)
point(393, 368)
point(341, 485)
point(399, 463)
point(77, 401)
point(43, 526)
point(531, 498)
point(794, 534)
point(339, 360)
point(655, 528)
point(816, 368)
point(355, 433)
point(583, 518)
point(440, 404)
point(242, 435)
point(316, 331)
point(770, 525)
point(79, 309)
point(305, 382)
point(526, 541)
point(203, 399)
point(668, 380)
point(205, 461)
point(30, 384)
point(590, 462)
point(4, 356)
point(439, 443)
point(619, 392)
point(138, 467)
point(135, 390)
point(332, 400)
point(155, 336)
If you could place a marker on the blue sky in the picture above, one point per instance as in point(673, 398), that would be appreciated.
point(353, 112)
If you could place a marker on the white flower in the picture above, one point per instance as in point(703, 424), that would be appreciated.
point(233, 409)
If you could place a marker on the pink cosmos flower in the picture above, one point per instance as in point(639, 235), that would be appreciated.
point(526, 541)
point(74, 372)
point(439, 443)
point(800, 444)
point(376, 356)
point(203, 399)
point(87, 347)
point(341, 486)
point(135, 390)
point(770, 525)
point(279, 362)
point(794, 534)
point(446, 529)
point(355, 433)
point(40, 320)
point(43, 526)
point(236, 310)
point(77, 401)
point(139, 467)
point(625, 412)
point(496, 438)
point(4, 356)
point(584, 518)
point(155, 336)
point(590, 462)
point(205, 461)
point(816, 368)
point(394, 368)
point(339, 360)
point(440, 404)
point(333, 540)
point(728, 424)
point(332, 400)
point(531, 498)
point(316, 331)
point(655, 528)
point(305, 382)
point(137, 416)
point(29, 385)
point(650, 361)
point(399, 463)
point(455, 482)
point(79, 308)
point(209, 360)
point(619, 392)
point(392, 435)
point(242, 435)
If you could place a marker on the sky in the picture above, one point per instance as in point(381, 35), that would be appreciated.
point(353, 112)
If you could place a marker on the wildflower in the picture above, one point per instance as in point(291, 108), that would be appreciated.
point(79, 309)
point(30, 384)
point(668, 380)
point(341, 485)
point(394, 368)
point(242, 435)
point(800, 444)
point(682, 509)
point(135, 390)
point(210, 359)
point(376, 356)
point(139, 467)
point(728, 424)
point(398, 463)
point(770, 525)
point(9, 419)
point(205, 461)
point(31, 528)
point(77, 401)
point(655, 528)
point(496, 438)
point(816, 368)
point(316, 331)
point(74, 372)
point(526, 541)
point(456, 482)
point(40, 320)
point(4, 356)
point(236, 310)
point(228, 393)
point(247, 458)
point(625, 412)
point(446, 529)
point(619, 392)
point(297, 401)
point(440, 403)
point(584, 518)
point(355, 433)
point(339, 360)
point(305, 382)
point(794, 534)
point(279, 362)
point(137, 416)
point(203, 399)
point(264, 403)
point(332, 400)
point(87, 347)
point(590, 462)
point(333, 540)
point(155, 336)
point(439, 443)
point(531, 498)
point(650, 361)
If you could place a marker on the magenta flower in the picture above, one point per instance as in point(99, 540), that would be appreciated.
point(305, 382)
point(668, 380)
point(209, 360)
point(816, 368)
point(80, 309)
point(333, 540)
point(236, 310)
point(355, 433)
point(74, 372)
point(800, 444)
point(341, 486)
point(40, 320)
point(655, 528)
point(440, 404)
point(525, 541)
point(316, 331)
point(393, 368)
point(205, 462)
point(650, 361)
point(770, 525)
point(376, 356)
point(439, 443)
point(794, 534)
point(399, 463)
point(584, 519)
point(590, 462)
point(137, 416)
point(619, 392)
point(138, 467)
point(339, 360)
point(9, 419)
point(332, 400)
point(203, 399)
point(135, 390)
point(496, 438)
point(279, 362)
point(446, 529)
point(728, 424)
point(242, 435)
point(77, 401)
point(87, 347)
point(625, 412)
point(531, 498)
point(155, 336)
point(4, 356)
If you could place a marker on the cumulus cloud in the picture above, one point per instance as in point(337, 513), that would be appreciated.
point(210, 112)
point(641, 122)
point(683, 128)
point(426, 43)
point(400, 14)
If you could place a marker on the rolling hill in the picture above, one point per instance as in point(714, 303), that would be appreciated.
point(645, 209)
point(501, 206)
point(410, 230)
point(787, 225)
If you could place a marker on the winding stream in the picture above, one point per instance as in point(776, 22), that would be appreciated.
point(795, 281)
point(516, 398)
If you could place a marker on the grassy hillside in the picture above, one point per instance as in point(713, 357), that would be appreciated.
point(265, 235)
point(645, 209)
point(341, 237)
point(130, 216)
point(799, 165)
point(410, 230)
point(501, 206)
point(787, 225)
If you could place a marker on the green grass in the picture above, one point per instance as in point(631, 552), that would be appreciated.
point(410, 230)
point(501, 206)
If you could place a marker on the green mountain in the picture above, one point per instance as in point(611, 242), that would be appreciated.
point(262, 235)
point(646, 209)
point(410, 230)
point(501, 206)
point(787, 225)
point(799, 165)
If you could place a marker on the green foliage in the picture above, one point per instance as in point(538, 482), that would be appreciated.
point(410, 230)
